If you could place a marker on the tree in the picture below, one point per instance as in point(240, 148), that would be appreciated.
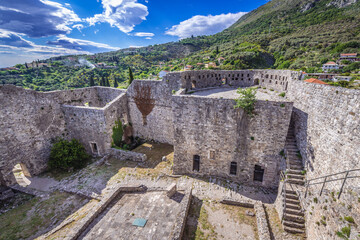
point(115, 82)
point(217, 50)
point(66, 155)
point(107, 82)
point(246, 100)
point(91, 82)
point(131, 77)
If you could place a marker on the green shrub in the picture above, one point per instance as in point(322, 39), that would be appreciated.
point(345, 232)
point(66, 155)
point(282, 94)
point(282, 105)
point(349, 219)
point(118, 132)
point(316, 200)
point(246, 100)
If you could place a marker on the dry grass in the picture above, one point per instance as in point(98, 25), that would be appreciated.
point(36, 215)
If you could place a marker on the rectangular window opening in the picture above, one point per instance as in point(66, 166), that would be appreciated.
point(233, 168)
point(196, 163)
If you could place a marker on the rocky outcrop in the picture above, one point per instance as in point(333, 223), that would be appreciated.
point(341, 3)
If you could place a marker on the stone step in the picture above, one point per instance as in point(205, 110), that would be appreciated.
point(298, 163)
point(293, 230)
point(295, 167)
point(291, 146)
point(294, 224)
point(294, 218)
point(292, 171)
point(292, 201)
point(295, 176)
point(291, 196)
point(292, 206)
point(294, 212)
point(296, 181)
point(289, 191)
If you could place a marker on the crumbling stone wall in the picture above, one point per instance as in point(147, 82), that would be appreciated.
point(219, 134)
point(30, 120)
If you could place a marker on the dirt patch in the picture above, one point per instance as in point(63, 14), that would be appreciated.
point(37, 215)
point(213, 220)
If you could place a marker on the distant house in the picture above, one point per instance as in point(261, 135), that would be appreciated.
point(353, 57)
point(330, 66)
point(199, 64)
point(314, 80)
point(210, 65)
point(341, 78)
point(163, 73)
point(188, 67)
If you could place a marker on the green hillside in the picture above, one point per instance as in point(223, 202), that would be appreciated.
point(282, 34)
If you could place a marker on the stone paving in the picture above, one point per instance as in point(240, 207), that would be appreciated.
point(159, 211)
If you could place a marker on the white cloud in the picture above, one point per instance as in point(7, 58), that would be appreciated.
point(81, 45)
point(36, 18)
point(123, 14)
point(78, 27)
point(204, 25)
point(144, 34)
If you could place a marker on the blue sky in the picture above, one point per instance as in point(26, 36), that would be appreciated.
point(38, 29)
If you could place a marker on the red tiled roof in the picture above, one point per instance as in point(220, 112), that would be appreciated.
point(330, 63)
point(314, 80)
point(348, 54)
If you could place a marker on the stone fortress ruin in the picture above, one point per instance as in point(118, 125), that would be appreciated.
point(194, 111)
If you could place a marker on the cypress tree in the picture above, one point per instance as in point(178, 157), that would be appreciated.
point(115, 82)
point(107, 82)
point(131, 77)
point(91, 81)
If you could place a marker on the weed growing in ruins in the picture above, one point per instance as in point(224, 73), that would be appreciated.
point(173, 92)
point(282, 153)
point(345, 232)
point(246, 100)
point(282, 105)
point(66, 155)
point(349, 219)
point(282, 94)
point(316, 200)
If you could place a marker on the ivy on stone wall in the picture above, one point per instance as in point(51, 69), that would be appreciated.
point(118, 132)
point(246, 100)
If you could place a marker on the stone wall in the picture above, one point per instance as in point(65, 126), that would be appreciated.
point(327, 127)
point(219, 134)
point(30, 120)
point(150, 109)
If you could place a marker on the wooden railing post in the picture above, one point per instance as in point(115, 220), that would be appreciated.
point(342, 186)
point(322, 188)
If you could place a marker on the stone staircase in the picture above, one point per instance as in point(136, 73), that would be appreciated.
point(293, 216)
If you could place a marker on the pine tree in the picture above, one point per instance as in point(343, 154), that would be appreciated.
point(91, 81)
point(115, 82)
point(131, 77)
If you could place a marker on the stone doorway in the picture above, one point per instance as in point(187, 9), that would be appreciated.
point(258, 173)
point(21, 174)
point(196, 163)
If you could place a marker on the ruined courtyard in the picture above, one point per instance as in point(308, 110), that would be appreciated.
point(201, 169)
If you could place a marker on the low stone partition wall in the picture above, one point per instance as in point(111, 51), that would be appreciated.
point(262, 223)
point(100, 206)
point(181, 219)
point(127, 155)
